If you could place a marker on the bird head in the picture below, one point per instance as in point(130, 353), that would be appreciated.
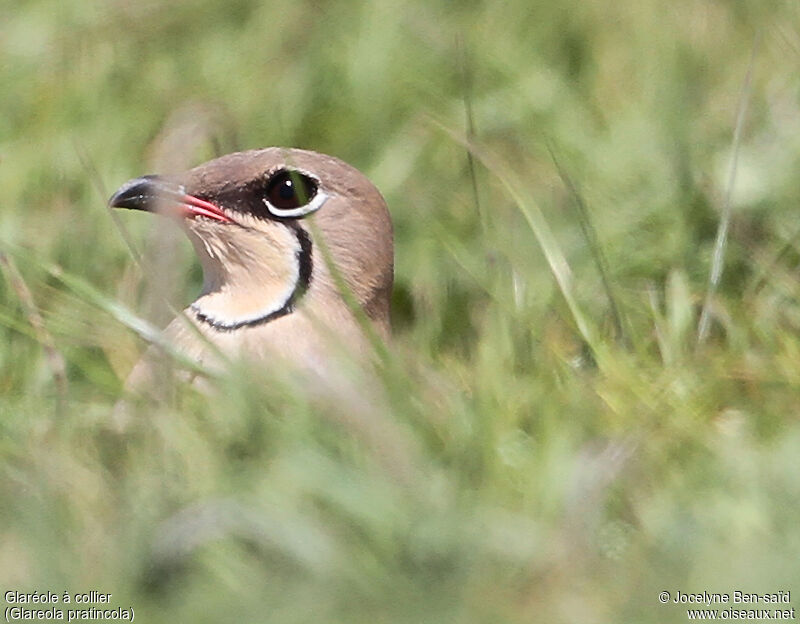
point(260, 221)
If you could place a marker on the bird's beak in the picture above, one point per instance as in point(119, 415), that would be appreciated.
point(155, 194)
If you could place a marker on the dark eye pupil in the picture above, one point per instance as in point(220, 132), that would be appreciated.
point(289, 189)
point(286, 190)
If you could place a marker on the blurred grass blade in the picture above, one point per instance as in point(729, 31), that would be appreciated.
point(718, 257)
point(146, 330)
point(767, 268)
point(552, 251)
point(88, 164)
point(590, 236)
point(457, 252)
point(45, 338)
point(17, 325)
point(466, 78)
point(376, 342)
point(537, 222)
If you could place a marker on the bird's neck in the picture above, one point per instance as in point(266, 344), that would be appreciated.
point(252, 280)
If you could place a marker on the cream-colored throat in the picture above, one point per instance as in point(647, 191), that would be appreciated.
point(249, 276)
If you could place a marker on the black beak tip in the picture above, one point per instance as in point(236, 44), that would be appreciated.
point(137, 194)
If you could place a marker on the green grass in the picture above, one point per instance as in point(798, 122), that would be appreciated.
point(557, 444)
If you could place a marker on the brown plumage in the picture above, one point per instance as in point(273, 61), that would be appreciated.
point(260, 221)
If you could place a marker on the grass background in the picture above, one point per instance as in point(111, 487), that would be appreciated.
point(544, 457)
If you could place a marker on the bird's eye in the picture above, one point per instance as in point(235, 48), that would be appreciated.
point(289, 192)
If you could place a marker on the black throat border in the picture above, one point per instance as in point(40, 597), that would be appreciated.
point(306, 266)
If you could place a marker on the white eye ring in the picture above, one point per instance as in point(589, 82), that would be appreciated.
point(301, 211)
point(312, 206)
